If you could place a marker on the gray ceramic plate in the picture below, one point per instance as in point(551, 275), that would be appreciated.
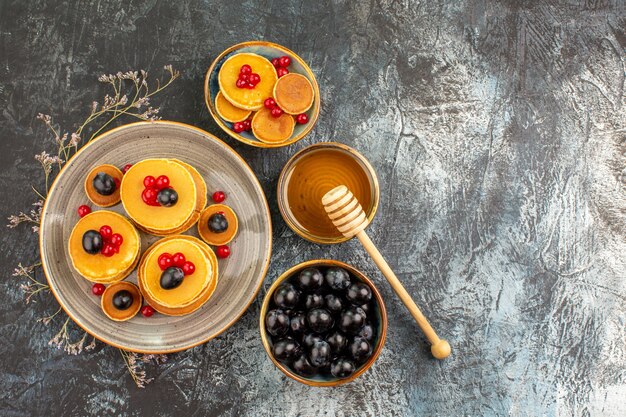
point(240, 276)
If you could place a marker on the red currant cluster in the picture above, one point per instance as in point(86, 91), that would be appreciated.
point(178, 259)
point(152, 187)
point(271, 105)
point(281, 65)
point(276, 111)
point(247, 78)
point(111, 241)
point(239, 127)
point(126, 168)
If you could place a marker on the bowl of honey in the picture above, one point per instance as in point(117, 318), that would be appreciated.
point(310, 174)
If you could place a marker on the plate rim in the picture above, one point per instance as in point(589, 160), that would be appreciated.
point(240, 138)
point(54, 185)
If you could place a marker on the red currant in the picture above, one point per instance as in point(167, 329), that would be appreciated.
point(247, 125)
point(83, 210)
point(223, 251)
point(284, 61)
point(302, 118)
point(245, 77)
point(188, 268)
point(116, 249)
point(149, 196)
point(238, 127)
point(277, 112)
point(269, 103)
point(98, 289)
point(282, 71)
point(250, 86)
point(117, 183)
point(126, 168)
point(117, 239)
point(149, 181)
point(179, 259)
point(276, 63)
point(108, 250)
point(254, 78)
point(219, 196)
point(245, 69)
point(162, 182)
point(147, 311)
point(241, 83)
point(165, 261)
point(106, 232)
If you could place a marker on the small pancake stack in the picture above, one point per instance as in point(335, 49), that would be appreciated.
point(271, 105)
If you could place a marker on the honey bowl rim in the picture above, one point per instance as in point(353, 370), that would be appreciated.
point(208, 100)
point(355, 272)
point(282, 201)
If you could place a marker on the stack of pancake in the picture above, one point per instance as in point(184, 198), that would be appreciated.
point(159, 220)
point(97, 267)
point(194, 290)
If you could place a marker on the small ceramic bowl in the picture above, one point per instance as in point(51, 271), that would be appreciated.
point(379, 311)
point(268, 50)
point(325, 183)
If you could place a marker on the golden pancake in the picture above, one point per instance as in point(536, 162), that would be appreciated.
point(202, 298)
point(244, 98)
point(97, 267)
point(270, 129)
point(228, 112)
point(294, 93)
point(213, 238)
point(97, 198)
point(192, 285)
point(159, 218)
point(113, 312)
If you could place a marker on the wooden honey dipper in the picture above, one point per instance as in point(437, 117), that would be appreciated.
point(348, 216)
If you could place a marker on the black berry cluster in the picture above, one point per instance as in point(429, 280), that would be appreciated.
point(323, 322)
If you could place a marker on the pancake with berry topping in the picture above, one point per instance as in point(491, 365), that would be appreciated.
point(102, 185)
point(218, 225)
point(172, 295)
point(159, 194)
point(104, 246)
point(248, 97)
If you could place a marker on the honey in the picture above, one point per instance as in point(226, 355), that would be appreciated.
point(312, 174)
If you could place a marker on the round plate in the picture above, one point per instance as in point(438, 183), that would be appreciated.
point(268, 50)
point(240, 276)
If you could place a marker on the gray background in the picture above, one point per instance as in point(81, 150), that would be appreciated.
point(497, 131)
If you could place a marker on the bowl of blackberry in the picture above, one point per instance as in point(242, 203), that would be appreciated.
point(323, 323)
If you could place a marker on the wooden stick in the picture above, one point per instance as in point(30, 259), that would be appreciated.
point(347, 215)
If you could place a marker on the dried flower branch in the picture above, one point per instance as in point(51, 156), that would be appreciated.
point(130, 97)
point(62, 340)
point(33, 217)
point(33, 286)
point(134, 365)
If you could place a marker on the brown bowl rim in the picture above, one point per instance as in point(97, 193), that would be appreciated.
point(282, 204)
point(379, 299)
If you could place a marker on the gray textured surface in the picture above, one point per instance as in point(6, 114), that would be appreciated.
point(497, 130)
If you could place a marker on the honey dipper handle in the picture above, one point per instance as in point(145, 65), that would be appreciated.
point(440, 348)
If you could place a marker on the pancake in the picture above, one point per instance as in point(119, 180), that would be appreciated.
point(97, 198)
point(270, 129)
point(294, 93)
point(99, 268)
point(159, 218)
point(244, 98)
